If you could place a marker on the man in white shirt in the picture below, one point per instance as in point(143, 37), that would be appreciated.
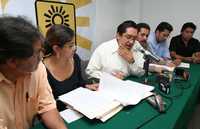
point(118, 56)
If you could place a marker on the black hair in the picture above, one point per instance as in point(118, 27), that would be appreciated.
point(164, 26)
point(188, 25)
point(126, 24)
point(17, 38)
point(143, 25)
point(57, 35)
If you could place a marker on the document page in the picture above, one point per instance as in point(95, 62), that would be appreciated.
point(126, 92)
point(164, 67)
point(70, 115)
point(184, 65)
point(89, 102)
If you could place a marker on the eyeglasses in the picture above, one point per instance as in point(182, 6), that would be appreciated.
point(38, 53)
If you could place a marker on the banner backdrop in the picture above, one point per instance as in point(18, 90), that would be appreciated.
point(78, 14)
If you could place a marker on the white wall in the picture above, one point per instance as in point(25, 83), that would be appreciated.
point(109, 14)
point(176, 12)
point(132, 10)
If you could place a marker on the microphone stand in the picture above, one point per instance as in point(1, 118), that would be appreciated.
point(146, 68)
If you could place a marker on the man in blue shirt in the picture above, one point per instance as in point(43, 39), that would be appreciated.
point(157, 40)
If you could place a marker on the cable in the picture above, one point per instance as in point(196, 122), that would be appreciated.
point(171, 97)
point(157, 115)
point(146, 122)
point(181, 86)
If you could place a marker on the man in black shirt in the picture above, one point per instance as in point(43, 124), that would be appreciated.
point(184, 46)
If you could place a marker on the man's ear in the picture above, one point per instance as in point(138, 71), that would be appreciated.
point(12, 63)
point(118, 36)
point(157, 32)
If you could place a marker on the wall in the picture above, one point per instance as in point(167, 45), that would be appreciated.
point(176, 12)
point(132, 10)
point(109, 14)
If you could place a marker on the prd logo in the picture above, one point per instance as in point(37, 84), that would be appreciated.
point(49, 13)
point(56, 12)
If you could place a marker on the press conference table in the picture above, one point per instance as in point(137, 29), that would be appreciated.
point(183, 99)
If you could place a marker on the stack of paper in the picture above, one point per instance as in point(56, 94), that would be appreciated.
point(163, 67)
point(184, 65)
point(126, 92)
point(112, 95)
point(89, 103)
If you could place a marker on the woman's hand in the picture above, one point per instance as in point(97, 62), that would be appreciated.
point(93, 87)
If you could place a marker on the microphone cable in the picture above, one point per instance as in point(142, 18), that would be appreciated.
point(181, 84)
point(158, 114)
point(169, 98)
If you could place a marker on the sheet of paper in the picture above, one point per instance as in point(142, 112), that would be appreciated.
point(89, 102)
point(126, 92)
point(111, 114)
point(184, 65)
point(70, 115)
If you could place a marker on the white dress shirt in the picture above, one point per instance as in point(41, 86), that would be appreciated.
point(106, 59)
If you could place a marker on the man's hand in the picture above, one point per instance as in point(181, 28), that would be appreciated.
point(126, 54)
point(119, 74)
point(196, 57)
point(188, 59)
point(176, 62)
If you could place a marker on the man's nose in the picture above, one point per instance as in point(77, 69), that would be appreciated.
point(131, 41)
point(145, 38)
point(165, 38)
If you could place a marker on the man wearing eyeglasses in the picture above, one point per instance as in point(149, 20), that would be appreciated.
point(24, 88)
point(118, 56)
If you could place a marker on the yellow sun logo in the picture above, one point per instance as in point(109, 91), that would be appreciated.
point(56, 16)
point(52, 12)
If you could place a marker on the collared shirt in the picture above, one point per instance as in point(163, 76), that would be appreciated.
point(177, 45)
point(21, 101)
point(160, 49)
point(106, 59)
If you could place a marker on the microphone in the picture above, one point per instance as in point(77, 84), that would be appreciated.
point(157, 102)
point(148, 53)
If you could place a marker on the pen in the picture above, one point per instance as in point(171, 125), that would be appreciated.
point(27, 96)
